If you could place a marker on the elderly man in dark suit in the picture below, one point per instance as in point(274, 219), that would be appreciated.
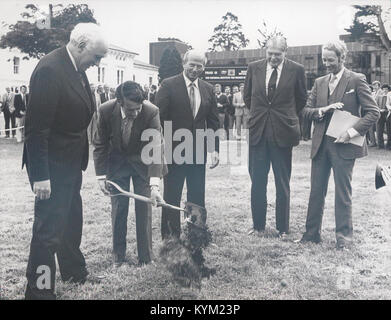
point(187, 103)
point(345, 90)
point(55, 153)
point(118, 147)
point(275, 93)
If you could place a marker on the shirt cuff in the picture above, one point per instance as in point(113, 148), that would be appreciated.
point(352, 133)
point(154, 181)
point(100, 177)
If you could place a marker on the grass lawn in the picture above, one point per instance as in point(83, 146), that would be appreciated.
point(248, 267)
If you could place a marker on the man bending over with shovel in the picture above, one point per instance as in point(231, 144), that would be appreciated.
point(118, 157)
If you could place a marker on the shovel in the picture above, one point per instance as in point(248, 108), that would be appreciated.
point(194, 213)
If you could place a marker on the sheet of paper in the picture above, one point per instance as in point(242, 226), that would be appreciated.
point(342, 121)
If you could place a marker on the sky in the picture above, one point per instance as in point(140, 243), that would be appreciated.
point(133, 24)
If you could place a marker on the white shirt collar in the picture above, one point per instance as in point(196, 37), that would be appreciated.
point(188, 81)
point(279, 67)
point(71, 57)
point(124, 115)
point(338, 75)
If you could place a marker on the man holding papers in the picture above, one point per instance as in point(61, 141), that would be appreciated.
point(346, 91)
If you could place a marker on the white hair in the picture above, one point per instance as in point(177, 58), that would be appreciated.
point(338, 47)
point(87, 33)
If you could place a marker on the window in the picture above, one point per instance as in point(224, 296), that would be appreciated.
point(16, 65)
point(134, 77)
point(98, 74)
point(150, 81)
point(378, 61)
point(101, 74)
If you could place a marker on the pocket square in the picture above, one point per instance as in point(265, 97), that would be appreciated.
point(350, 91)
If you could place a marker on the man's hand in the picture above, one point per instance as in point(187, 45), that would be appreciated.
point(343, 138)
point(156, 196)
point(22, 113)
point(103, 187)
point(215, 160)
point(42, 189)
point(337, 105)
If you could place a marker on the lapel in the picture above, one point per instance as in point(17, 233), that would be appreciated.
point(74, 79)
point(262, 68)
point(341, 87)
point(116, 120)
point(203, 94)
point(284, 78)
point(324, 91)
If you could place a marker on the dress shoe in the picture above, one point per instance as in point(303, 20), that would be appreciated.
point(283, 235)
point(255, 232)
point(314, 239)
point(342, 244)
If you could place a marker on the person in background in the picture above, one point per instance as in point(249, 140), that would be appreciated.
point(152, 94)
point(384, 120)
point(240, 107)
point(222, 105)
point(229, 113)
point(9, 112)
point(20, 103)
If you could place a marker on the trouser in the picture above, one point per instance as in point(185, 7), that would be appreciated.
point(57, 229)
point(9, 117)
point(119, 215)
point(173, 186)
point(221, 121)
point(381, 123)
point(326, 159)
point(20, 132)
point(261, 156)
point(229, 124)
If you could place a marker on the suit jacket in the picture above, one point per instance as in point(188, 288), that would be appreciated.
point(109, 152)
point(8, 101)
point(103, 97)
point(59, 111)
point(223, 99)
point(353, 91)
point(174, 104)
point(288, 101)
point(20, 105)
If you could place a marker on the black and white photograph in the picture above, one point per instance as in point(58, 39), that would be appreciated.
point(203, 150)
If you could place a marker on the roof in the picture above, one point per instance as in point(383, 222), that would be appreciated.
point(145, 65)
point(117, 48)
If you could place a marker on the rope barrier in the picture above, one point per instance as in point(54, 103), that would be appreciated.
point(5, 130)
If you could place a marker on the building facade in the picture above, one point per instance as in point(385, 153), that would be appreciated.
point(228, 68)
point(118, 66)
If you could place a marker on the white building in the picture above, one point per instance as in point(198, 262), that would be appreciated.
point(118, 66)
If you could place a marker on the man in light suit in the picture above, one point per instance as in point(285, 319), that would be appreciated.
point(275, 93)
point(186, 102)
point(348, 91)
point(9, 112)
point(118, 157)
point(55, 153)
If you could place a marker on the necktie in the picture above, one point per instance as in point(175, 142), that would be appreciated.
point(332, 83)
point(126, 129)
point(192, 98)
point(82, 79)
point(271, 88)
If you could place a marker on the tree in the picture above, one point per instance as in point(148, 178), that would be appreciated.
point(368, 26)
point(228, 35)
point(265, 34)
point(170, 63)
point(36, 42)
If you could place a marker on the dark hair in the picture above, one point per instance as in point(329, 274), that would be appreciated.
point(385, 86)
point(130, 90)
point(153, 87)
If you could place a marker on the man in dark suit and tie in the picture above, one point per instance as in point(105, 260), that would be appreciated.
point(20, 103)
point(118, 147)
point(187, 103)
point(9, 112)
point(346, 90)
point(55, 153)
point(275, 93)
point(105, 95)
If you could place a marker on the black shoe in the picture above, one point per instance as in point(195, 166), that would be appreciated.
point(342, 244)
point(314, 239)
point(283, 235)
